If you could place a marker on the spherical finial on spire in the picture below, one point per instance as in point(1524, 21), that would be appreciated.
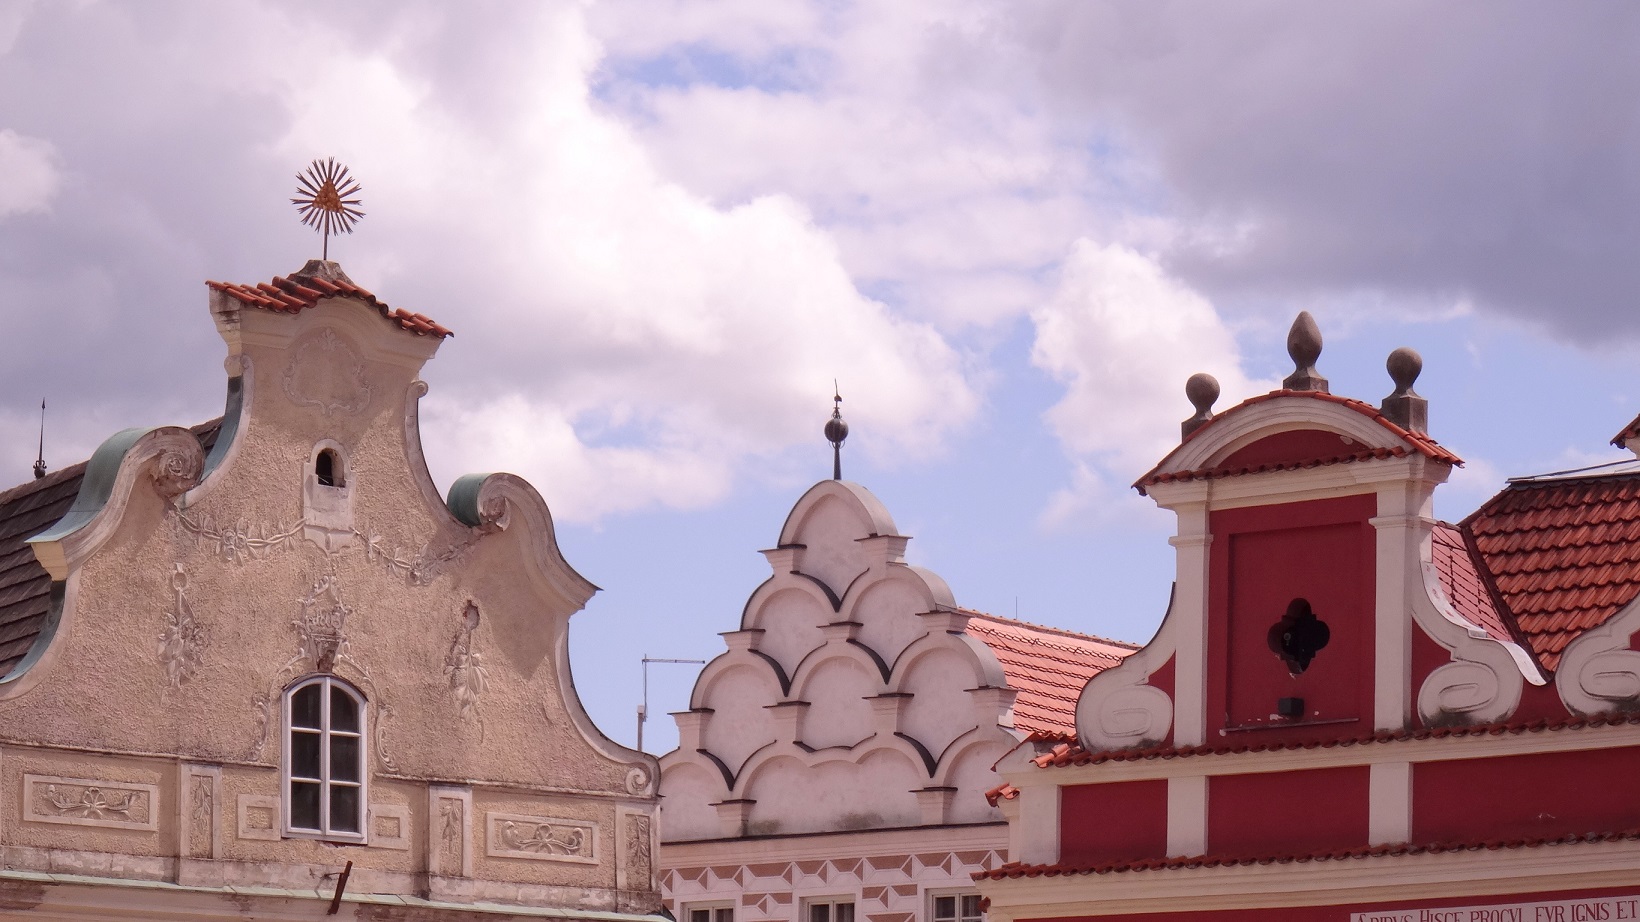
point(1404, 365)
point(836, 434)
point(1304, 346)
point(1201, 390)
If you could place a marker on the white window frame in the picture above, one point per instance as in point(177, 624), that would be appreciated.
point(956, 894)
point(715, 908)
point(850, 899)
point(331, 686)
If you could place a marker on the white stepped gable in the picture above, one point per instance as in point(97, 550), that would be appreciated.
point(849, 698)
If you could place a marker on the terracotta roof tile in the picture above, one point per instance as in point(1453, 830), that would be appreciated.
point(291, 295)
point(1468, 590)
point(1071, 753)
point(1563, 554)
point(1048, 667)
point(1419, 442)
point(1016, 870)
point(25, 586)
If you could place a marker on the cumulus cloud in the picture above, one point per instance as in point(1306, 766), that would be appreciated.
point(618, 334)
point(1122, 337)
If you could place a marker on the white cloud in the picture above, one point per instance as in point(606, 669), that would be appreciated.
point(666, 345)
point(1123, 338)
point(31, 177)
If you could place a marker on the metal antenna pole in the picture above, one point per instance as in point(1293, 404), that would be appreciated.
point(643, 709)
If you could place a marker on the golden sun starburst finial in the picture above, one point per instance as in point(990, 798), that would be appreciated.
point(326, 199)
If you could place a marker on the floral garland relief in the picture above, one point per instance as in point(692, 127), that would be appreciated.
point(183, 641)
point(465, 667)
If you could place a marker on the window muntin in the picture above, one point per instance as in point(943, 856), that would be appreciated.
point(829, 910)
point(956, 907)
point(324, 760)
point(710, 913)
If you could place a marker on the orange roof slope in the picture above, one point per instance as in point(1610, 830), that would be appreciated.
point(1048, 667)
point(293, 295)
point(1563, 551)
point(1466, 588)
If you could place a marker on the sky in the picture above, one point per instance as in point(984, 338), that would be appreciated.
point(1008, 232)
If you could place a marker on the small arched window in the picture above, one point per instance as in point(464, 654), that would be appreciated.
point(327, 469)
point(324, 764)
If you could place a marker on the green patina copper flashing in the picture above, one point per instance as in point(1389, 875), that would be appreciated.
point(463, 498)
point(231, 417)
point(42, 640)
point(100, 473)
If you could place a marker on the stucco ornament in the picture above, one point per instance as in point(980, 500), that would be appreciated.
point(1598, 672)
point(542, 837)
point(465, 666)
point(183, 641)
point(91, 802)
point(327, 372)
point(637, 781)
point(242, 541)
point(322, 627)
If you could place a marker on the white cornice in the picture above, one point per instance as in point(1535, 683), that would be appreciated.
point(835, 845)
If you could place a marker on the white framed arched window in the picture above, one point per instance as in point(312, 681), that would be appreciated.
point(324, 763)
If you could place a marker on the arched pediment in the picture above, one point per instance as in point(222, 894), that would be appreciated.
point(866, 510)
point(1285, 422)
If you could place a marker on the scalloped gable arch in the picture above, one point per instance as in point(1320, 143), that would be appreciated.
point(868, 508)
point(988, 671)
point(1250, 421)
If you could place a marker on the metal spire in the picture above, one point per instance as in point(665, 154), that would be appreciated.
point(836, 432)
point(40, 460)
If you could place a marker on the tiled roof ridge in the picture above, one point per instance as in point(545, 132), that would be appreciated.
point(975, 614)
point(1018, 870)
point(1069, 754)
point(1420, 441)
point(293, 294)
point(1499, 602)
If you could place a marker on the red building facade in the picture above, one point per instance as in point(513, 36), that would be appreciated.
point(1353, 711)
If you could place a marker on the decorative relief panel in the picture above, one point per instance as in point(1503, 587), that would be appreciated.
point(326, 372)
point(465, 667)
point(390, 826)
point(540, 838)
point(258, 817)
point(202, 790)
point(449, 840)
point(86, 802)
point(635, 834)
point(183, 641)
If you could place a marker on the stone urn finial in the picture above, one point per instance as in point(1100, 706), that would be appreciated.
point(1304, 345)
point(1404, 407)
point(1202, 389)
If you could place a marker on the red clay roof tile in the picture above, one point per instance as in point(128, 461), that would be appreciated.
point(1564, 554)
point(1016, 870)
point(1048, 667)
point(1419, 442)
point(291, 295)
point(1071, 752)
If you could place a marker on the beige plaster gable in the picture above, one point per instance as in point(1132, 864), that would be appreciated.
point(196, 588)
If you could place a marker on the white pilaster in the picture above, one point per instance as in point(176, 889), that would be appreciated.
point(1187, 816)
point(1389, 797)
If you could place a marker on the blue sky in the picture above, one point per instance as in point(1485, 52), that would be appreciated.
point(662, 229)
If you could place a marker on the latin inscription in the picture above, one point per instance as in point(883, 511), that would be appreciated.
point(1597, 909)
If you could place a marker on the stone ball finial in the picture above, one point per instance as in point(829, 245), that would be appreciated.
point(1404, 407)
point(1202, 389)
point(1304, 346)
point(1404, 365)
